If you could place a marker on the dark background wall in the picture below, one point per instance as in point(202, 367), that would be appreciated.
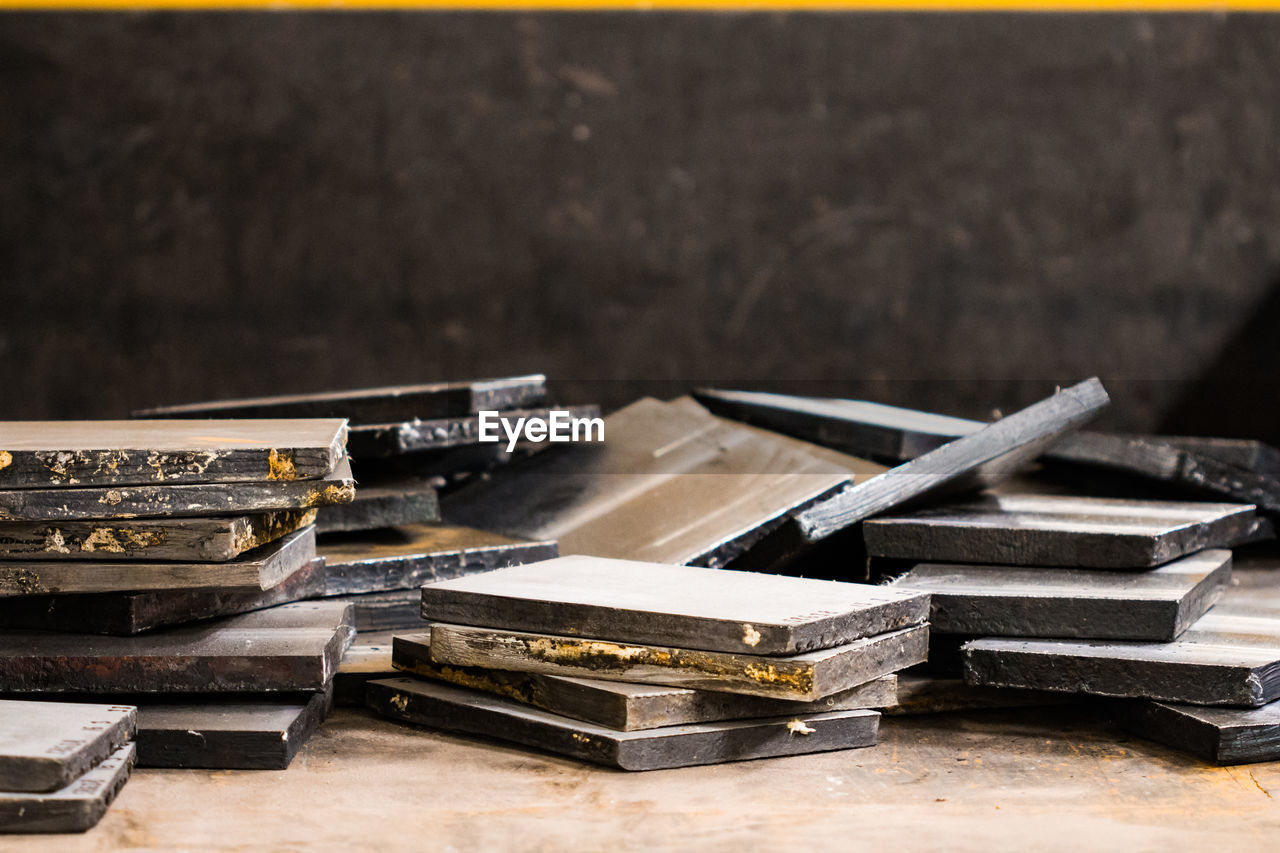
point(953, 211)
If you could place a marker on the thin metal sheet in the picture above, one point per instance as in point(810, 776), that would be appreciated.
point(861, 428)
point(259, 569)
point(175, 539)
point(803, 677)
point(75, 808)
point(368, 659)
point(622, 706)
point(128, 613)
point(385, 611)
point(1059, 530)
point(374, 405)
point(930, 694)
point(410, 556)
point(686, 606)
point(191, 499)
point(1155, 459)
point(1230, 656)
point(417, 435)
point(45, 746)
point(60, 454)
point(449, 708)
point(671, 484)
point(1216, 735)
point(382, 503)
point(977, 460)
point(292, 647)
point(1010, 601)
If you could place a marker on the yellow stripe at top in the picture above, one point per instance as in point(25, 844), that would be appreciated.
point(704, 5)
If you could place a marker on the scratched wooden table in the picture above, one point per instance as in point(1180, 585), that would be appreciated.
point(1048, 778)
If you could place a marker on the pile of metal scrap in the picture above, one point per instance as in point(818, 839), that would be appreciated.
point(644, 666)
point(161, 565)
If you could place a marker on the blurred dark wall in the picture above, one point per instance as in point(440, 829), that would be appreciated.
point(954, 211)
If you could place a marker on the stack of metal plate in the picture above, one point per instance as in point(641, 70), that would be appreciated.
point(118, 535)
point(643, 666)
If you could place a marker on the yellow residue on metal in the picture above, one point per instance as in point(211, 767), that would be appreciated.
point(471, 678)
point(6, 459)
point(111, 498)
point(330, 495)
point(21, 581)
point(798, 727)
point(280, 466)
point(596, 654)
point(400, 702)
point(53, 541)
point(119, 540)
point(750, 635)
point(770, 674)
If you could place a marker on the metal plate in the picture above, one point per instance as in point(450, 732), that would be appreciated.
point(1154, 459)
point(804, 677)
point(980, 459)
point(373, 405)
point(368, 658)
point(47, 454)
point(1059, 530)
point(129, 613)
point(198, 499)
point(287, 648)
point(45, 746)
point(1008, 601)
point(259, 569)
point(872, 430)
point(686, 606)
point(385, 611)
point(417, 435)
point(382, 503)
point(454, 709)
point(930, 694)
point(75, 808)
point(623, 706)
point(174, 539)
point(671, 484)
point(408, 557)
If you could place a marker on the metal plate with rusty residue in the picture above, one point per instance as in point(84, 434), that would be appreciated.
point(381, 503)
point(259, 569)
point(376, 405)
point(621, 705)
point(291, 647)
point(182, 499)
point(804, 677)
point(64, 454)
point(456, 709)
point(686, 606)
point(212, 539)
point(129, 613)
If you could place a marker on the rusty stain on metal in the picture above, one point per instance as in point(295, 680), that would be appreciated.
point(280, 466)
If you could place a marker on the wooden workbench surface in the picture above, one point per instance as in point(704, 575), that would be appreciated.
point(1047, 777)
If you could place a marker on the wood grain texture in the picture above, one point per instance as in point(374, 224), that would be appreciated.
point(1007, 601)
point(260, 569)
point(410, 556)
point(381, 503)
point(418, 435)
point(129, 613)
point(623, 706)
point(75, 808)
point(45, 746)
point(982, 458)
point(804, 677)
point(44, 454)
point(230, 733)
point(1059, 530)
point(213, 539)
point(671, 484)
point(375, 405)
point(857, 427)
point(1216, 735)
point(287, 648)
point(1188, 466)
point(687, 606)
point(1225, 658)
point(368, 658)
point(454, 709)
point(192, 499)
